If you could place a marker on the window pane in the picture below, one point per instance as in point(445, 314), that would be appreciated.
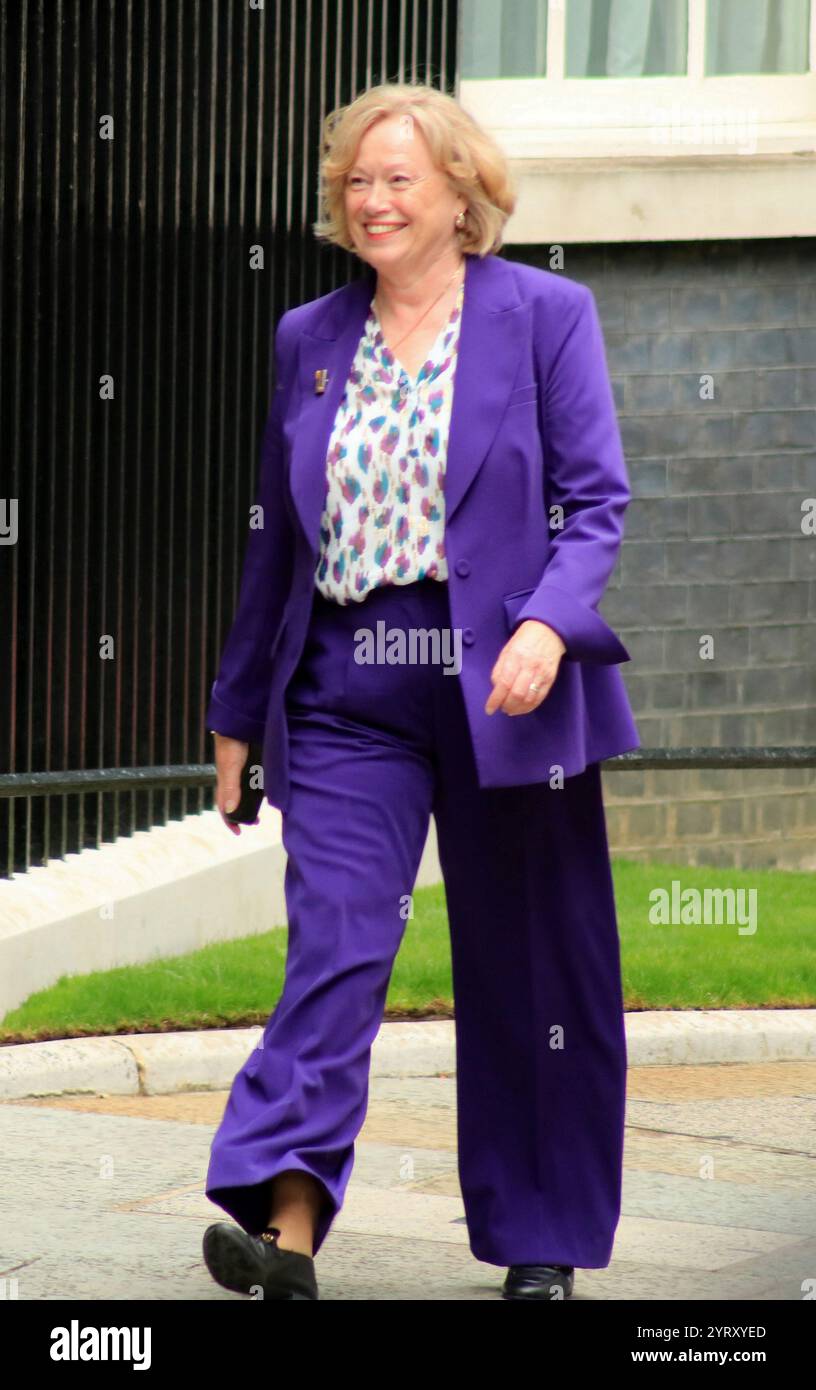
point(626, 38)
point(504, 38)
point(757, 36)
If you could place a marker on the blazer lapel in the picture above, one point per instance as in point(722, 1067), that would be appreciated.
point(490, 345)
point(491, 340)
point(330, 343)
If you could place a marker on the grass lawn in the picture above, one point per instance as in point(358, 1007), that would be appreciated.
point(673, 966)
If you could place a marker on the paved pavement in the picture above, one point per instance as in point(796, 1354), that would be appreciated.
point(104, 1199)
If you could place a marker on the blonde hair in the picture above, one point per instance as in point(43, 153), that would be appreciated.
point(475, 165)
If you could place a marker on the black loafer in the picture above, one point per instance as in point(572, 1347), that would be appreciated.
point(539, 1281)
point(242, 1262)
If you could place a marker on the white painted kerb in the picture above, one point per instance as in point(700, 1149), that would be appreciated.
point(158, 893)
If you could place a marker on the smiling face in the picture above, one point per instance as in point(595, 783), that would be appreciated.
point(400, 207)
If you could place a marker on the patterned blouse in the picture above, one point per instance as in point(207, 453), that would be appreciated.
point(384, 515)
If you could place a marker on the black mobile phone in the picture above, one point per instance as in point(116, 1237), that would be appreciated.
point(246, 812)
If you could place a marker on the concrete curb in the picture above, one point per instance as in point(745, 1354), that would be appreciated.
point(169, 1063)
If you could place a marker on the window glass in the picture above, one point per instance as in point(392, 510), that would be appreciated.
point(626, 38)
point(753, 36)
point(504, 38)
point(634, 38)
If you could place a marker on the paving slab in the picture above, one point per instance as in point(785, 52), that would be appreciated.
point(104, 1195)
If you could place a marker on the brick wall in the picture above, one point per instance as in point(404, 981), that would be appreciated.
point(714, 542)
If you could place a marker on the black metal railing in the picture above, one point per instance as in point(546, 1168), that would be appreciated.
point(158, 182)
point(86, 780)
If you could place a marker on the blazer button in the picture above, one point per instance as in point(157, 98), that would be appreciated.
point(463, 568)
point(468, 636)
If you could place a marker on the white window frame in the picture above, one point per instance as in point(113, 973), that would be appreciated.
point(654, 158)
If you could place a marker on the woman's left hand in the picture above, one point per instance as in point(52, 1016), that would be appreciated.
point(532, 655)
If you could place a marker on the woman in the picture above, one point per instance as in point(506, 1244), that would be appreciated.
point(442, 465)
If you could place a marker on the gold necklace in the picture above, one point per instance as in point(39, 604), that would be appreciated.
point(427, 311)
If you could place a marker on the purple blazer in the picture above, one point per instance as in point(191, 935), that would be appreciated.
point(533, 428)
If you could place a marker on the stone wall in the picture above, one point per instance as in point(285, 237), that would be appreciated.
point(714, 543)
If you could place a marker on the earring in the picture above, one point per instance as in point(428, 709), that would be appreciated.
point(459, 220)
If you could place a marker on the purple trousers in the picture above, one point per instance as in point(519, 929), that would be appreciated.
point(540, 1041)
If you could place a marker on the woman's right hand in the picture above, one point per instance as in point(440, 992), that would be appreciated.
point(230, 756)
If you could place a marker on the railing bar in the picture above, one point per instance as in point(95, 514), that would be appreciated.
point(128, 416)
point(661, 759)
point(34, 386)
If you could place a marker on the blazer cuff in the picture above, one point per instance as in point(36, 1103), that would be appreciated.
point(587, 636)
point(232, 724)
